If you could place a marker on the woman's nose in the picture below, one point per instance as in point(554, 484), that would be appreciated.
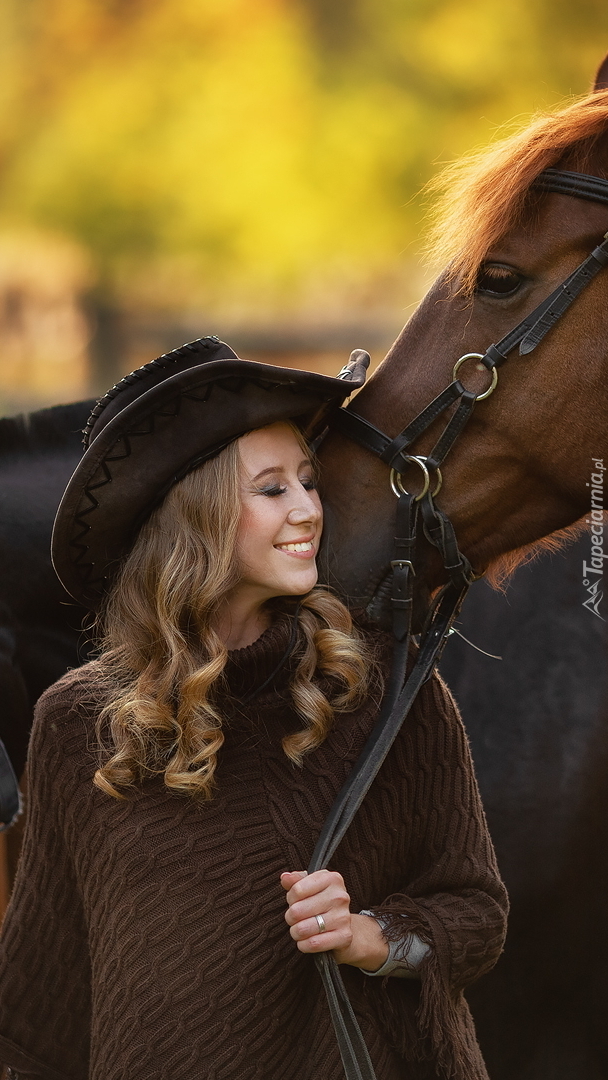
point(307, 509)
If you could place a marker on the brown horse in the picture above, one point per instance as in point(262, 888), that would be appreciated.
point(520, 470)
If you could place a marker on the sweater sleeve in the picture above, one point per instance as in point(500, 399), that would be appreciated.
point(453, 896)
point(44, 959)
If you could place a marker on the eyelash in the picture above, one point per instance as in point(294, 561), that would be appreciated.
point(272, 492)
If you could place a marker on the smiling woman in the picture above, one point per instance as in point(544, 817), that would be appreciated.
point(162, 919)
point(198, 583)
point(279, 529)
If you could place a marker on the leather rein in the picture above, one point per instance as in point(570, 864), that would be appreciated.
point(418, 514)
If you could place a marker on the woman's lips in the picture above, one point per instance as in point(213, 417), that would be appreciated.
point(302, 549)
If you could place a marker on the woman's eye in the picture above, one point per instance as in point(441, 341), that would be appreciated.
point(276, 489)
point(497, 280)
point(308, 483)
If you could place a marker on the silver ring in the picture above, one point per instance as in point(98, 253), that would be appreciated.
point(321, 923)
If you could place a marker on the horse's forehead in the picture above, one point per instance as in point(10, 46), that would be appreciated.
point(558, 224)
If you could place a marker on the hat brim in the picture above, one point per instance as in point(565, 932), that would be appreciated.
point(159, 437)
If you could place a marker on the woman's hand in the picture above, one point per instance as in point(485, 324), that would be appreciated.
point(354, 939)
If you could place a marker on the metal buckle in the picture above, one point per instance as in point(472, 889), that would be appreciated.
point(401, 563)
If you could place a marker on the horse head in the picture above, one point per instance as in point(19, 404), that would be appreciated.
point(521, 468)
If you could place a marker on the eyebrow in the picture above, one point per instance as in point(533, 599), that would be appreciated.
point(278, 469)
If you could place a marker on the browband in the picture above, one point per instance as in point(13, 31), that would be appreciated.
point(580, 185)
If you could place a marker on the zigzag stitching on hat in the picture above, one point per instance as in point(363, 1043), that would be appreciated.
point(233, 384)
point(170, 413)
point(83, 549)
point(100, 483)
point(86, 568)
point(84, 531)
point(76, 542)
point(89, 510)
point(85, 528)
point(208, 391)
point(126, 452)
point(141, 373)
point(103, 465)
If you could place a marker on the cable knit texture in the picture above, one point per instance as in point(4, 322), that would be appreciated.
point(146, 940)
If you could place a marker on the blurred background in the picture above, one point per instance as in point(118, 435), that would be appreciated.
point(250, 168)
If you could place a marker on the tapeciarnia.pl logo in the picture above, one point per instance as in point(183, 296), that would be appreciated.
point(593, 571)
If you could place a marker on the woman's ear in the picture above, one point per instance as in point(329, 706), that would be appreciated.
point(601, 78)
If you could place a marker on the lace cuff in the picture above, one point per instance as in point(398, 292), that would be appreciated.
point(404, 956)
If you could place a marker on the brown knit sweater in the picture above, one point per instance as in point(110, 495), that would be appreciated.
point(146, 940)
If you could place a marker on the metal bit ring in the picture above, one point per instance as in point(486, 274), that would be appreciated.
point(397, 483)
point(477, 356)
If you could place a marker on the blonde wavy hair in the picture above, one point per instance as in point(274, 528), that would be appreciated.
point(161, 661)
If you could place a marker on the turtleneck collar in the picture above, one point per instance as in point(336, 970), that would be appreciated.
point(251, 667)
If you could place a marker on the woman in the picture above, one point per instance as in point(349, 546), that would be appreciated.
point(179, 782)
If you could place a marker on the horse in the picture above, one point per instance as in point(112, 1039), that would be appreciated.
point(528, 464)
point(40, 625)
point(537, 723)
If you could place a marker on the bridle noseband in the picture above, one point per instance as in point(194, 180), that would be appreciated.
point(413, 511)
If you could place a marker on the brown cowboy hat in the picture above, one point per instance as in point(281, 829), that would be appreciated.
point(159, 423)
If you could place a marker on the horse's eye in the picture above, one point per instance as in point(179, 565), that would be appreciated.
point(496, 280)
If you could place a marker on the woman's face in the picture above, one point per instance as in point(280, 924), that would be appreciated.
point(281, 517)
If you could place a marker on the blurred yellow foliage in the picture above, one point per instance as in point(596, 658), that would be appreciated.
point(44, 332)
point(263, 156)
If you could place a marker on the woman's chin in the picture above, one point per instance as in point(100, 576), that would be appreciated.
point(298, 584)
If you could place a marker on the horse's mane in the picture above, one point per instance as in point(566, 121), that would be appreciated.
point(44, 429)
point(488, 193)
point(501, 569)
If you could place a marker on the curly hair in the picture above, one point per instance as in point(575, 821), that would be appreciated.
point(161, 661)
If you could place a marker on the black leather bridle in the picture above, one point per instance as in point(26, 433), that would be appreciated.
point(417, 513)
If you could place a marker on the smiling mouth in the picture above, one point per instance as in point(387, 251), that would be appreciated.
point(306, 545)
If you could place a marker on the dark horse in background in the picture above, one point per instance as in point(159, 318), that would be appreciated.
point(538, 724)
point(40, 625)
point(520, 470)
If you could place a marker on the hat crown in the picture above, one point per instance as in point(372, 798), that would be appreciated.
point(142, 379)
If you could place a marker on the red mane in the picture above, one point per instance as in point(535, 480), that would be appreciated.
point(488, 193)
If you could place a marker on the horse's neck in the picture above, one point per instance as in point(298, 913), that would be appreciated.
point(45, 429)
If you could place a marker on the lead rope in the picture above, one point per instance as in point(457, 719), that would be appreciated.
point(396, 705)
point(353, 1050)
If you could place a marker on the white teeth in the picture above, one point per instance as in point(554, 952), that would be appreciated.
point(297, 547)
